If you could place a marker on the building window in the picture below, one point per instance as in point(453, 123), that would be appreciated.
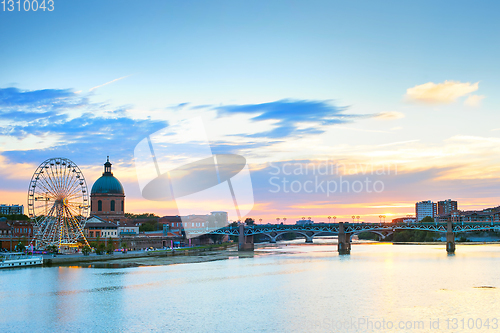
point(112, 205)
point(123, 207)
point(99, 206)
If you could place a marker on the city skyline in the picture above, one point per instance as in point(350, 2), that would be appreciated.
point(300, 86)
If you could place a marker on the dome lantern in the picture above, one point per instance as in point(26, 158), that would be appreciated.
point(107, 183)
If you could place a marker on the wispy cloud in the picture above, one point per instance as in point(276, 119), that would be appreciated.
point(292, 117)
point(105, 84)
point(390, 115)
point(474, 100)
point(440, 93)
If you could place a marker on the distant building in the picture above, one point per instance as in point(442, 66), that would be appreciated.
point(172, 225)
point(303, 222)
point(127, 229)
point(175, 225)
point(107, 197)
point(11, 209)
point(97, 227)
point(424, 209)
point(447, 207)
point(404, 220)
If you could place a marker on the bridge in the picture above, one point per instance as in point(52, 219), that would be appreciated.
point(346, 230)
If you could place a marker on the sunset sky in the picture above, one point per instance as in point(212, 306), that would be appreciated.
point(394, 93)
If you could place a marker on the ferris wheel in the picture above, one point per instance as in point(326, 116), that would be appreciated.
point(58, 204)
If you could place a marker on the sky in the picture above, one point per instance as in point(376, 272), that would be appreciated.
point(340, 108)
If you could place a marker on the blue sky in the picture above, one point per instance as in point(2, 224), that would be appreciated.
point(412, 84)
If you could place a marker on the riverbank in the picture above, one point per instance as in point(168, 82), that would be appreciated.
point(130, 257)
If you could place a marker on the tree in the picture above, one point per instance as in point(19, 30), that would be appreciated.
point(51, 249)
point(111, 246)
point(427, 219)
point(86, 250)
point(20, 247)
point(233, 224)
point(100, 248)
point(249, 221)
point(147, 226)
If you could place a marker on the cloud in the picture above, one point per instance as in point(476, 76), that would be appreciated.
point(292, 117)
point(474, 100)
point(89, 134)
point(15, 99)
point(390, 115)
point(440, 93)
point(104, 84)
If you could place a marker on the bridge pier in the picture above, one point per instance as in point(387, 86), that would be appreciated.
point(450, 238)
point(245, 243)
point(273, 239)
point(344, 240)
point(309, 239)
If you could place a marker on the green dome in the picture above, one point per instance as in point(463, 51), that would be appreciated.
point(107, 183)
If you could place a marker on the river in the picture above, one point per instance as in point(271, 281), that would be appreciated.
point(289, 288)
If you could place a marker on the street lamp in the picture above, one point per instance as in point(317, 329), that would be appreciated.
point(278, 220)
point(329, 217)
point(357, 217)
point(284, 219)
point(260, 220)
point(380, 219)
point(334, 218)
point(353, 217)
point(303, 218)
point(383, 216)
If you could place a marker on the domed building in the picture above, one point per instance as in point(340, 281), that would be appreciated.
point(107, 197)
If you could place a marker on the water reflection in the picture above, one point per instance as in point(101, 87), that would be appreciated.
point(292, 288)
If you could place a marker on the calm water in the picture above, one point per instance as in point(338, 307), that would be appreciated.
point(290, 289)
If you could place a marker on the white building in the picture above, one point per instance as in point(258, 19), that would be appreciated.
point(11, 209)
point(127, 229)
point(424, 209)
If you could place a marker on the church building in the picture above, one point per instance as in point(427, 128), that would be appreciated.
point(107, 198)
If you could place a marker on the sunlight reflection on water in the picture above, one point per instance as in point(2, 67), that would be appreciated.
point(291, 288)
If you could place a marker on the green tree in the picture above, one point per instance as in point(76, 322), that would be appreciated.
point(110, 248)
point(368, 235)
point(52, 249)
point(249, 221)
point(427, 219)
point(15, 217)
point(150, 225)
point(86, 250)
point(20, 247)
point(101, 248)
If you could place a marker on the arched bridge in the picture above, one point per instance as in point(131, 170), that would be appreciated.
point(346, 230)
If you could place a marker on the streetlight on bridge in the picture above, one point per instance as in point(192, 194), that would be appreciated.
point(334, 218)
point(353, 217)
point(357, 217)
point(278, 220)
point(260, 220)
point(284, 220)
point(329, 217)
